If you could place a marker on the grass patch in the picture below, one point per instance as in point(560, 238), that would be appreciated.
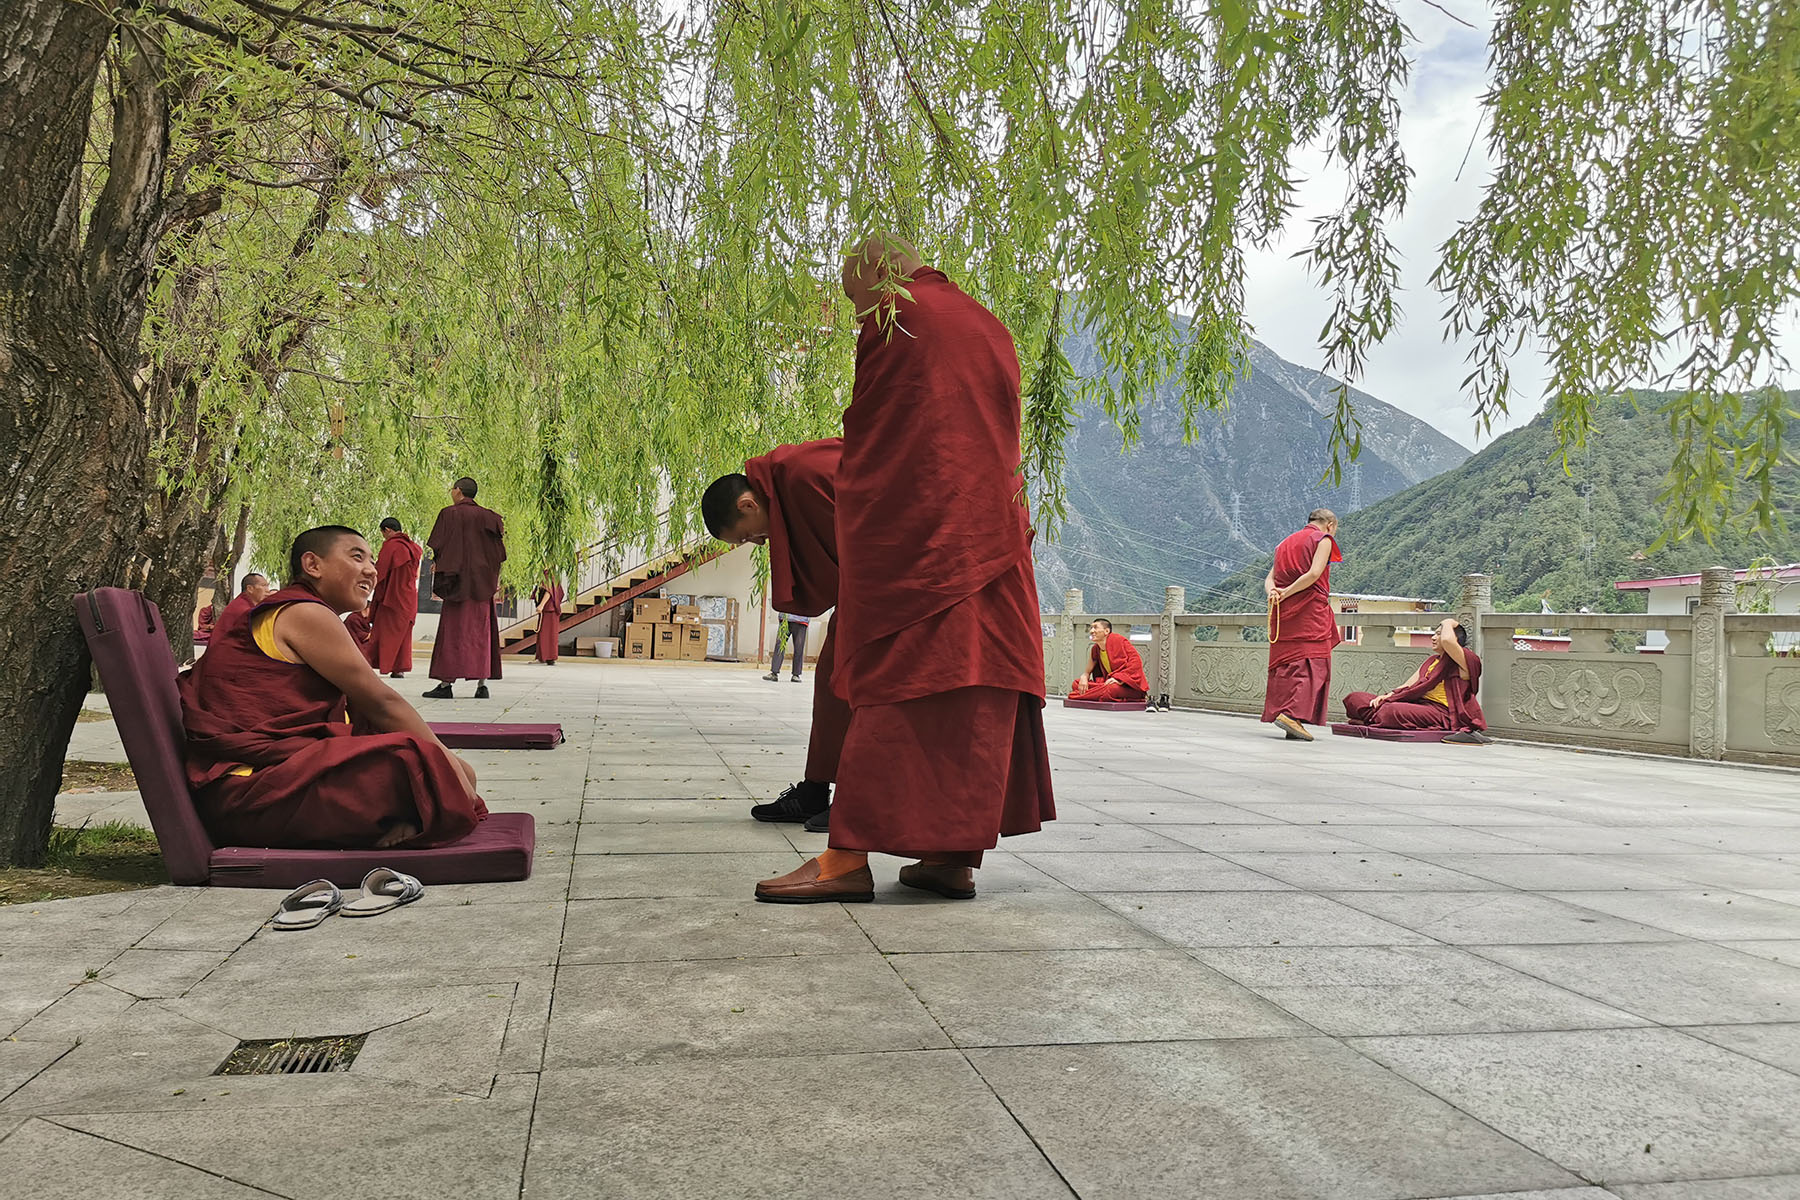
point(82, 776)
point(90, 715)
point(110, 857)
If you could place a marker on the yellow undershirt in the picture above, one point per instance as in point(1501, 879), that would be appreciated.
point(1105, 662)
point(1436, 695)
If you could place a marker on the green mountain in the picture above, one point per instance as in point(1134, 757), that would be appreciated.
point(1193, 513)
point(1543, 532)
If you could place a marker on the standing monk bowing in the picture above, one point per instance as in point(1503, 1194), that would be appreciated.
point(396, 602)
point(271, 755)
point(936, 641)
point(468, 544)
point(1302, 628)
point(787, 500)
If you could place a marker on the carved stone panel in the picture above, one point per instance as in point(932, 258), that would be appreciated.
point(1781, 709)
point(1586, 695)
point(1374, 671)
point(1227, 673)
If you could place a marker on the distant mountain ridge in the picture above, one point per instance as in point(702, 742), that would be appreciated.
point(1544, 534)
point(1193, 514)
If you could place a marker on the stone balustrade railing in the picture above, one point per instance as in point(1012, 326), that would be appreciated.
point(1716, 691)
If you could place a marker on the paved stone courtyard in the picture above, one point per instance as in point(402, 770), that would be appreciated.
point(1236, 968)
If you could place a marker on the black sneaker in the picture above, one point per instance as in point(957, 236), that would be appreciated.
point(772, 677)
point(440, 692)
point(1469, 737)
point(481, 692)
point(397, 675)
point(796, 679)
point(819, 822)
point(797, 803)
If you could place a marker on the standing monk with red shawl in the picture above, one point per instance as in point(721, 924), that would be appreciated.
point(396, 603)
point(548, 596)
point(1115, 670)
point(787, 500)
point(937, 648)
point(1302, 628)
point(468, 544)
point(271, 755)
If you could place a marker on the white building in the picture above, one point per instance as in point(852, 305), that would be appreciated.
point(1675, 594)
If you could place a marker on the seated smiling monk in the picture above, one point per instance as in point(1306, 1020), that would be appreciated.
point(1440, 694)
point(1114, 671)
point(272, 757)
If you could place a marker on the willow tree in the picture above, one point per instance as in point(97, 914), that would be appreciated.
point(587, 251)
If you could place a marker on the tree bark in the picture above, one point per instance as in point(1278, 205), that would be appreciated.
point(72, 486)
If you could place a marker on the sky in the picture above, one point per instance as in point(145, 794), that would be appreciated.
point(1415, 369)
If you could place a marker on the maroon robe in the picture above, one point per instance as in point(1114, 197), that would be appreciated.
point(549, 622)
point(1302, 632)
point(396, 602)
point(236, 611)
point(1407, 708)
point(799, 485)
point(468, 544)
point(314, 782)
point(363, 631)
point(203, 631)
point(1126, 680)
point(937, 642)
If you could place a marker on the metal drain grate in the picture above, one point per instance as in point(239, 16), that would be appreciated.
point(293, 1056)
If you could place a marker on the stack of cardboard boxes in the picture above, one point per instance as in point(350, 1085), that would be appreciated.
point(661, 630)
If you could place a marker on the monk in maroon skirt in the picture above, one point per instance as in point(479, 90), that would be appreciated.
point(294, 741)
point(468, 544)
point(936, 640)
point(787, 500)
point(1303, 629)
point(548, 596)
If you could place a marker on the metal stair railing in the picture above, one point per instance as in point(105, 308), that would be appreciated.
point(596, 576)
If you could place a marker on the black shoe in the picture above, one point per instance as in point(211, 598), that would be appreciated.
point(772, 677)
point(1469, 737)
point(796, 679)
point(440, 692)
point(798, 803)
point(819, 822)
point(396, 674)
point(481, 692)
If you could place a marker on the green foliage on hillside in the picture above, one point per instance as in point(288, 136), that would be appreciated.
point(1541, 530)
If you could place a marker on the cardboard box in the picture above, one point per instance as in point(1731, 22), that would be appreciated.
point(687, 614)
point(693, 641)
point(597, 647)
point(639, 640)
point(668, 640)
point(650, 610)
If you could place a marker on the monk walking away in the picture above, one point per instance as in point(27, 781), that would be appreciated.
point(1440, 695)
point(1302, 628)
point(936, 643)
point(294, 741)
point(787, 500)
point(548, 596)
point(468, 544)
point(395, 606)
point(1115, 669)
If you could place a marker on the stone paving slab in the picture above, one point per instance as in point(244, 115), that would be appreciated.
point(1238, 967)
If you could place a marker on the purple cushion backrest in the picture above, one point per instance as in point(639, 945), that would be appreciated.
point(125, 635)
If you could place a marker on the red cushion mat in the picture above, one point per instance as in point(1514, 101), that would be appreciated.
point(1108, 705)
point(1343, 729)
point(125, 634)
point(476, 735)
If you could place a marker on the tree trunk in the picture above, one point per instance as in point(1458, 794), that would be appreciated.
point(240, 540)
point(70, 316)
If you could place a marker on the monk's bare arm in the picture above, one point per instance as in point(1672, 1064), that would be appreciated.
point(1456, 654)
point(1321, 560)
point(311, 634)
point(1269, 583)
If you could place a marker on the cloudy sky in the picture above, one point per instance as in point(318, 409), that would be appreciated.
point(1415, 369)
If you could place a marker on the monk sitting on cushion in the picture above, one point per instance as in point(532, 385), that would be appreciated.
point(271, 756)
point(1114, 671)
point(1440, 694)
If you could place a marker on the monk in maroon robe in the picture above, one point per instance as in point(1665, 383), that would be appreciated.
point(1302, 628)
point(1115, 670)
point(272, 755)
point(255, 591)
point(548, 596)
point(787, 500)
point(396, 603)
point(936, 640)
point(468, 544)
point(362, 632)
point(1440, 695)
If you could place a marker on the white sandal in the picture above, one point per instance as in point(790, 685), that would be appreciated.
point(384, 889)
point(307, 905)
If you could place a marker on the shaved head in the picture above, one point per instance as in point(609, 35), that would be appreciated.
point(874, 261)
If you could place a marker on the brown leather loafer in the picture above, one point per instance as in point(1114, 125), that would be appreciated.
point(803, 886)
point(950, 882)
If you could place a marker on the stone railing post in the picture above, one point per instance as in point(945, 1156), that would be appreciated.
point(1476, 602)
point(1174, 604)
point(1706, 711)
point(1069, 640)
